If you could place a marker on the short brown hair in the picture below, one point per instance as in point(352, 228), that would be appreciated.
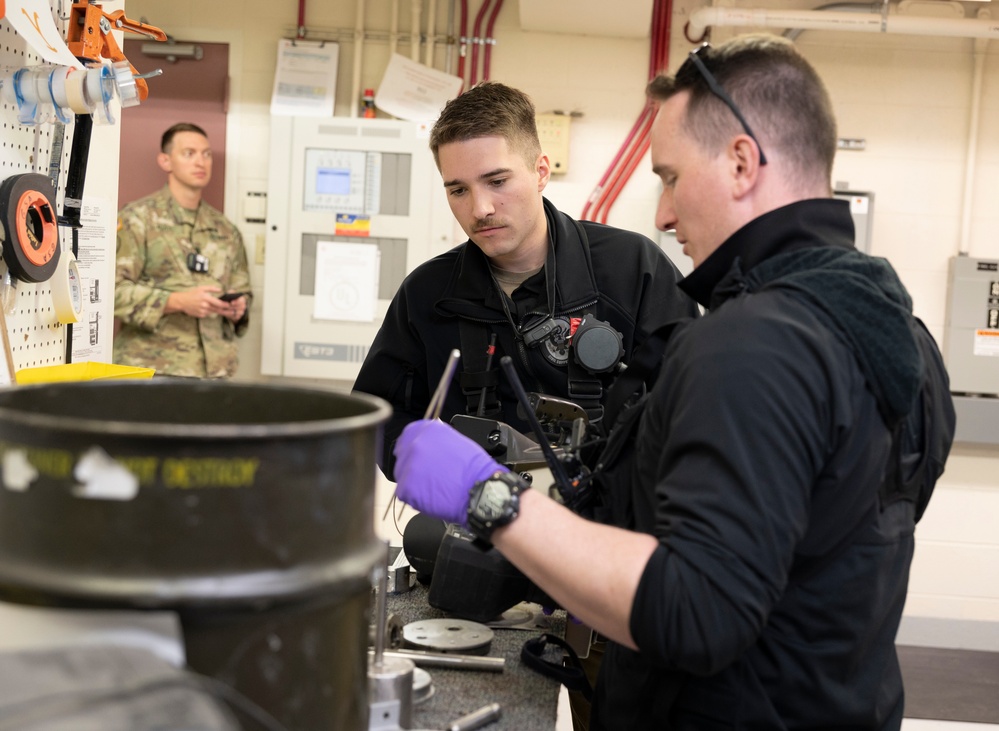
point(166, 141)
point(486, 110)
point(777, 90)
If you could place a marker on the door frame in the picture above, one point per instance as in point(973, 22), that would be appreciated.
point(234, 38)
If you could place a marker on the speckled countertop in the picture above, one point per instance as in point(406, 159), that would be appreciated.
point(527, 699)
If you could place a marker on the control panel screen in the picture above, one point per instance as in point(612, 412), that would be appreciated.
point(333, 181)
point(342, 181)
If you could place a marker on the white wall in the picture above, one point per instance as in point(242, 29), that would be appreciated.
point(907, 96)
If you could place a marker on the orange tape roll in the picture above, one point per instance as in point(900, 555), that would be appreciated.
point(31, 229)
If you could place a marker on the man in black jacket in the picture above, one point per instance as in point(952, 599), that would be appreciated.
point(761, 581)
point(527, 276)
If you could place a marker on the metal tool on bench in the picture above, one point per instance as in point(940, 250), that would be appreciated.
point(390, 678)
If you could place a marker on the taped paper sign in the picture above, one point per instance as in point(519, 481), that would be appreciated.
point(410, 90)
point(32, 19)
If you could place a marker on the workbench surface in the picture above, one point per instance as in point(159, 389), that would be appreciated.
point(527, 699)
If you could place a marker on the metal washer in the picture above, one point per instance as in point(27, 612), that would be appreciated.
point(423, 687)
point(448, 635)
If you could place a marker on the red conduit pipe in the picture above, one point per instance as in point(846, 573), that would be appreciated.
point(477, 35)
point(661, 18)
point(625, 154)
point(301, 18)
point(598, 191)
point(627, 164)
point(594, 208)
point(657, 62)
point(630, 163)
point(487, 56)
point(634, 141)
point(594, 204)
point(604, 195)
point(462, 40)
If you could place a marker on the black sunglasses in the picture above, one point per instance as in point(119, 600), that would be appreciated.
point(719, 92)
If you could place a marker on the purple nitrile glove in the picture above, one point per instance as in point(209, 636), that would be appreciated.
point(435, 467)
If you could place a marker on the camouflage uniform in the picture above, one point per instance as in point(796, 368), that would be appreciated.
point(155, 237)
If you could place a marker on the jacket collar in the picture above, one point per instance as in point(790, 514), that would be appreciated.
point(575, 282)
point(801, 225)
point(807, 249)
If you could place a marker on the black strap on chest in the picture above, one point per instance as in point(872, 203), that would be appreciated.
point(585, 390)
point(478, 379)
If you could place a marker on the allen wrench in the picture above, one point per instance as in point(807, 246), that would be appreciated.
point(433, 412)
point(437, 400)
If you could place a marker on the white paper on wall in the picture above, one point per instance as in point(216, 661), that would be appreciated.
point(305, 79)
point(346, 281)
point(96, 262)
point(412, 91)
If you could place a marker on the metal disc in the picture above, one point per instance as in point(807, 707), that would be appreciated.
point(423, 688)
point(448, 635)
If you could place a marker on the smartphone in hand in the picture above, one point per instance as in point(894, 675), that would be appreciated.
point(230, 296)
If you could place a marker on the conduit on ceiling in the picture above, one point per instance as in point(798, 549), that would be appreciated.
point(889, 21)
point(982, 28)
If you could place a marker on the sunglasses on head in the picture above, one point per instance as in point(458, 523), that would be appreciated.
point(719, 92)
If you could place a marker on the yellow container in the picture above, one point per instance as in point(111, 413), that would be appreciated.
point(86, 371)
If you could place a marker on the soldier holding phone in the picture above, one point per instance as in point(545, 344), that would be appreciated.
point(182, 289)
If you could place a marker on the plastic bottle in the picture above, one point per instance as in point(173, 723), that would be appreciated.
point(368, 108)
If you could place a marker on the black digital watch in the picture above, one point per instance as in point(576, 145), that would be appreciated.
point(493, 503)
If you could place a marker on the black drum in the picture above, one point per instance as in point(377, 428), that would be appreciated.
point(248, 509)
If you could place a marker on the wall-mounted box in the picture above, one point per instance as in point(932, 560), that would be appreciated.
point(553, 132)
point(971, 331)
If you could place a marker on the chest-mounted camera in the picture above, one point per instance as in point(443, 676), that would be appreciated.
point(597, 346)
point(197, 262)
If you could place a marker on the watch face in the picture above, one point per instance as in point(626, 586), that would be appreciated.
point(493, 500)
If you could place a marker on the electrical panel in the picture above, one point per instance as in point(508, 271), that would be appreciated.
point(862, 211)
point(353, 206)
point(971, 331)
point(553, 132)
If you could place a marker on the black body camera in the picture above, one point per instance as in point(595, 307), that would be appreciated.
point(197, 262)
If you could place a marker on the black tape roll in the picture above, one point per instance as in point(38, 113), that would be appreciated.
point(30, 226)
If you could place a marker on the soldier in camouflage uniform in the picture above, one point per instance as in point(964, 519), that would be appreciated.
point(176, 256)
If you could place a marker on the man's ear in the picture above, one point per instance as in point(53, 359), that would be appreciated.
point(744, 160)
point(544, 169)
point(163, 160)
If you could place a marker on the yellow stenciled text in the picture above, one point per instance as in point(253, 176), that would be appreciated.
point(208, 472)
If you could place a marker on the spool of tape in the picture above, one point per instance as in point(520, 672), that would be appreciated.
point(99, 90)
point(67, 290)
point(75, 95)
point(31, 232)
point(57, 94)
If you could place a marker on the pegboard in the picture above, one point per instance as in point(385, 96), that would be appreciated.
point(37, 338)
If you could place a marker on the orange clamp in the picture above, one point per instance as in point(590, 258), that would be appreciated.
point(90, 36)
